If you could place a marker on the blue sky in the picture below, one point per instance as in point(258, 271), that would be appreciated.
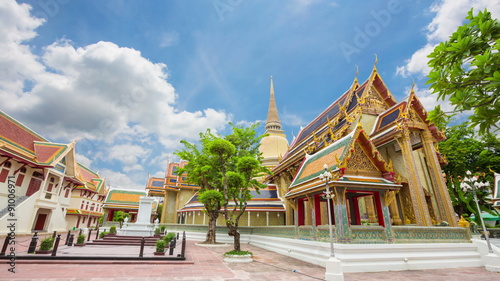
point(130, 79)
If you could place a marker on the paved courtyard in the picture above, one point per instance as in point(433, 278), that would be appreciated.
point(204, 263)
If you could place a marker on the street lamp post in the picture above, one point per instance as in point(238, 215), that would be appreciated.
point(326, 176)
point(471, 183)
point(333, 265)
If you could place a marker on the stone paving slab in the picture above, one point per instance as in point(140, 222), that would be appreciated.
point(207, 264)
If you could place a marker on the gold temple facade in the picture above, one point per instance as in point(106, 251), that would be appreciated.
point(383, 157)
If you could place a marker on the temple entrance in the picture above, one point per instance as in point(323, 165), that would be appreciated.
point(41, 219)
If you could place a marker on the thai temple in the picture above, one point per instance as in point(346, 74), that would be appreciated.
point(127, 201)
point(46, 189)
point(266, 208)
point(383, 159)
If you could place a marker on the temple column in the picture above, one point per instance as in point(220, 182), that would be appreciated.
point(312, 210)
point(417, 195)
point(289, 211)
point(342, 229)
point(442, 196)
point(164, 210)
point(393, 208)
point(387, 198)
point(370, 209)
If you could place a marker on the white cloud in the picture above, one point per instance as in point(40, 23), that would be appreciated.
point(121, 180)
point(449, 15)
point(99, 92)
point(129, 155)
point(168, 39)
point(82, 159)
point(417, 64)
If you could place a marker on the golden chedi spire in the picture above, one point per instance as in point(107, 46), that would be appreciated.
point(273, 121)
point(274, 145)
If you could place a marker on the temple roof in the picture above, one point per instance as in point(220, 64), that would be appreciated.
point(23, 144)
point(353, 160)
point(125, 197)
point(267, 200)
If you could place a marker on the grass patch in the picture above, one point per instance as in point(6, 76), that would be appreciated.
point(237, 253)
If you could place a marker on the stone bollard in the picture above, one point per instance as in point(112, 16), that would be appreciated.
point(67, 237)
point(88, 236)
point(56, 245)
point(32, 246)
point(141, 253)
point(71, 237)
point(54, 234)
point(172, 247)
point(97, 234)
point(183, 249)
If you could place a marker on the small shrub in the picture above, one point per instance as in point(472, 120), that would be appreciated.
point(112, 230)
point(160, 246)
point(237, 253)
point(80, 239)
point(443, 223)
point(47, 244)
point(169, 237)
point(162, 228)
point(157, 230)
point(101, 235)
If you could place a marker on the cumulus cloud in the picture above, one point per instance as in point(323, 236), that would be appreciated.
point(449, 15)
point(97, 93)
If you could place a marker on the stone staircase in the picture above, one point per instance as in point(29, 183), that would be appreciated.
point(124, 240)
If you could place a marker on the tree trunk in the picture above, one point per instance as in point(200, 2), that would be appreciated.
point(212, 227)
point(233, 231)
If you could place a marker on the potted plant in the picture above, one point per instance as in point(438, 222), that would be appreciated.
point(169, 237)
point(102, 234)
point(112, 230)
point(162, 228)
point(238, 256)
point(160, 248)
point(157, 232)
point(80, 241)
point(46, 246)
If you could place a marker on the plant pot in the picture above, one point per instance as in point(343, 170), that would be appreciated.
point(43, 252)
point(157, 235)
point(238, 258)
point(159, 253)
point(79, 245)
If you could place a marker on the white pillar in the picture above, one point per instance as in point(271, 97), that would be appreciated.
point(194, 215)
point(144, 213)
point(248, 222)
point(267, 218)
point(204, 218)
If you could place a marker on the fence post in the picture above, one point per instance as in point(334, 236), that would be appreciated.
point(32, 247)
point(5, 244)
point(88, 236)
point(67, 238)
point(141, 253)
point(183, 249)
point(56, 245)
point(71, 237)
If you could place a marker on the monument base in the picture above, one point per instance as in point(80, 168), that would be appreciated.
point(137, 229)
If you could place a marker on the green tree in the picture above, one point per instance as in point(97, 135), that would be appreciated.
point(120, 216)
point(466, 70)
point(466, 151)
point(159, 211)
point(225, 168)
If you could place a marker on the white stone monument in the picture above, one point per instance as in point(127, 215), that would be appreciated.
point(143, 225)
